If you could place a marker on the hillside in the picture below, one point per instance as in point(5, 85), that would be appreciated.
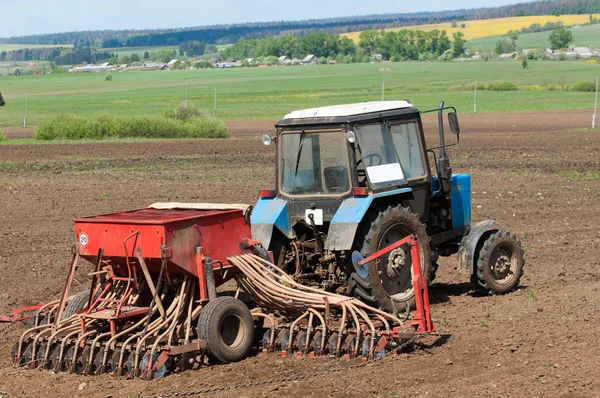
point(226, 34)
point(478, 29)
point(588, 36)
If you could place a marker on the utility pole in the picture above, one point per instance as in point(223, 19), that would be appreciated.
point(215, 103)
point(383, 87)
point(187, 86)
point(25, 117)
point(595, 106)
point(475, 99)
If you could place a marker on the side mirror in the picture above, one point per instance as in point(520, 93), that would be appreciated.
point(453, 121)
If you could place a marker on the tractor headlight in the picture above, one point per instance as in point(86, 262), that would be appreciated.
point(351, 137)
point(266, 140)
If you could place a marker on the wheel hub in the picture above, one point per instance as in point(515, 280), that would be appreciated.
point(501, 268)
point(396, 261)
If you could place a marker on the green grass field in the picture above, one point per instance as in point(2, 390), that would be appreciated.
point(587, 35)
point(261, 93)
point(127, 51)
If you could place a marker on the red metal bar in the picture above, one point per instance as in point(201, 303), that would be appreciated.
point(422, 318)
point(202, 285)
point(65, 293)
point(18, 315)
point(386, 250)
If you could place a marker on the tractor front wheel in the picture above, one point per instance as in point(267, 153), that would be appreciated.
point(389, 281)
point(500, 261)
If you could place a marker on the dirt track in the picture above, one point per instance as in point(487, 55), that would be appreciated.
point(537, 174)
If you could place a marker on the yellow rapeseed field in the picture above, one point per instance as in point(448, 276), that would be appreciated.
point(478, 29)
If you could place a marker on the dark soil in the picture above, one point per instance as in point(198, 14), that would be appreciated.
point(536, 174)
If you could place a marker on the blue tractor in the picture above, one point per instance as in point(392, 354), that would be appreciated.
point(353, 179)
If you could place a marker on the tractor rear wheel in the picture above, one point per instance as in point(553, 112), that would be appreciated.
point(227, 326)
point(500, 261)
point(389, 282)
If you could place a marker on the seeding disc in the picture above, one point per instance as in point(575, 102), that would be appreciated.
point(317, 342)
point(113, 361)
point(13, 355)
point(187, 361)
point(333, 342)
point(301, 342)
point(54, 357)
point(28, 353)
point(160, 372)
point(266, 340)
point(284, 340)
point(98, 361)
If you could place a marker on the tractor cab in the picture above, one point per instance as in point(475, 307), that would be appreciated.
point(325, 156)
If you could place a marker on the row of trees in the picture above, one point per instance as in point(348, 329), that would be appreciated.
point(57, 55)
point(405, 44)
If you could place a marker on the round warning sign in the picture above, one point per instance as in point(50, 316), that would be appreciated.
point(83, 239)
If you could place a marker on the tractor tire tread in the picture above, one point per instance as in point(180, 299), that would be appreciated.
point(367, 235)
point(208, 329)
point(484, 280)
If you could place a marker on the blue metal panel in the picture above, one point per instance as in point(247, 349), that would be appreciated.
point(354, 209)
point(266, 214)
point(460, 200)
point(345, 221)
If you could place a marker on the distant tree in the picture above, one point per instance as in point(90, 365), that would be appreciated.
point(463, 25)
point(524, 64)
point(108, 77)
point(369, 39)
point(459, 43)
point(126, 60)
point(192, 48)
point(346, 46)
point(134, 58)
point(502, 46)
point(513, 36)
point(146, 55)
point(2, 103)
point(211, 49)
point(454, 24)
point(560, 38)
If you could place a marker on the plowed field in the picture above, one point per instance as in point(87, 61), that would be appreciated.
point(536, 174)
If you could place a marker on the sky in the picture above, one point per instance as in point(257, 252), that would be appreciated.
point(25, 17)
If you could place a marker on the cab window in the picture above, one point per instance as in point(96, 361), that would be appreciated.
point(408, 148)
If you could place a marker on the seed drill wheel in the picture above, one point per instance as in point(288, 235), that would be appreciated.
point(500, 261)
point(228, 329)
point(77, 303)
point(389, 281)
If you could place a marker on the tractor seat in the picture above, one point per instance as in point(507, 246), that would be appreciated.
point(336, 179)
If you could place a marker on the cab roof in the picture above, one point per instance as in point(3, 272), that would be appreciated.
point(347, 113)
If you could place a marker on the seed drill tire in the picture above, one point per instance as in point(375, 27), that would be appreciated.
point(77, 303)
point(508, 243)
point(369, 235)
point(227, 326)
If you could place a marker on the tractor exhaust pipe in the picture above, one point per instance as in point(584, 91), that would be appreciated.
point(443, 161)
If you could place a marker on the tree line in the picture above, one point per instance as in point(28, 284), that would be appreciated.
point(407, 44)
point(227, 34)
point(58, 55)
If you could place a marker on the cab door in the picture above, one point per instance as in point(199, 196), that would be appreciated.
point(408, 141)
